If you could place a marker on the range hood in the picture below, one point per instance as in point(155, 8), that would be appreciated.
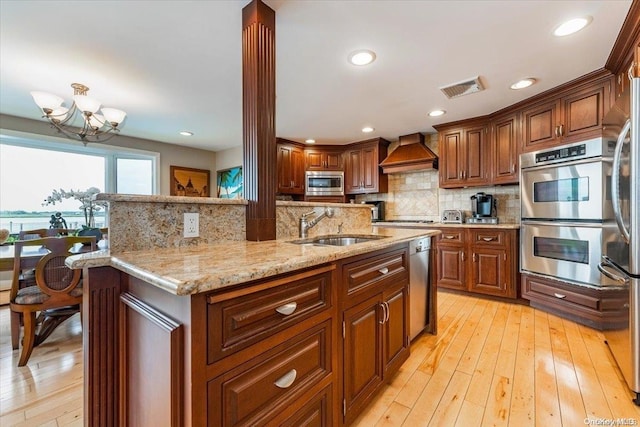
point(410, 155)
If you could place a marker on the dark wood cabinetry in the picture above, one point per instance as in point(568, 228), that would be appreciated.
point(362, 171)
point(478, 260)
point(600, 308)
point(375, 315)
point(323, 158)
point(567, 116)
point(290, 166)
point(505, 149)
point(463, 154)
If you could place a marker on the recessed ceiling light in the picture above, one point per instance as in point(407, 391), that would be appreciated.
point(361, 57)
point(310, 141)
point(521, 84)
point(436, 113)
point(571, 26)
point(186, 133)
point(367, 129)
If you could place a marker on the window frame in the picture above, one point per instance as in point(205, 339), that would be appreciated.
point(111, 153)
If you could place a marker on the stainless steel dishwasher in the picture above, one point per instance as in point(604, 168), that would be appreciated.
point(419, 285)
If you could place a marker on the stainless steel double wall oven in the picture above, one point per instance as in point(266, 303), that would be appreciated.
point(567, 215)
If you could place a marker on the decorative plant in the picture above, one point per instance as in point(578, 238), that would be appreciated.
point(88, 199)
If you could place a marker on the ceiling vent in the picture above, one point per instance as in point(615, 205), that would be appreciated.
point(463, 88)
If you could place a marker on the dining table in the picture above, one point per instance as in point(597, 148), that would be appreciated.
point(7, 253)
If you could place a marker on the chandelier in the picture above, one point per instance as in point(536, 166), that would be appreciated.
point(94, 127)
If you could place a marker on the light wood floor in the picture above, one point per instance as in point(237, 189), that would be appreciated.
point(492, 363)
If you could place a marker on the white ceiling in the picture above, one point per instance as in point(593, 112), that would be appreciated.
point(176, 65)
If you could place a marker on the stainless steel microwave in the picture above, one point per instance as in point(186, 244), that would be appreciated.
point(324, 183)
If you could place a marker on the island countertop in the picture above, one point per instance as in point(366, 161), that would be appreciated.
point(189, 270)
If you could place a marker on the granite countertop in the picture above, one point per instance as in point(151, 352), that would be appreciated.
point(427, 225)
point(193, 269)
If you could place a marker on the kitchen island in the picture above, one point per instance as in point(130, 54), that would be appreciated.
point(239, 333)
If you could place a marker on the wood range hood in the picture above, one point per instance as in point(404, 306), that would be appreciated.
point(410, 155)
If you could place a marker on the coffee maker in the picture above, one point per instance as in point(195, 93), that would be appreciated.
point(483, 209)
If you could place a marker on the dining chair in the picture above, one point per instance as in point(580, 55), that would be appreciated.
point(56, 293)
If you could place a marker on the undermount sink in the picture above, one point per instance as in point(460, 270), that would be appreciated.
point(343, 240)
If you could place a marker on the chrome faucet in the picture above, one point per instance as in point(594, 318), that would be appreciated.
point(305, 224)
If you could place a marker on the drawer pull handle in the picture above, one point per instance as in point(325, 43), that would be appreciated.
point(557, 295)
point(384, 270)
point(448, 236)
point(287, 379)
point(488, 239)
point(287, 309)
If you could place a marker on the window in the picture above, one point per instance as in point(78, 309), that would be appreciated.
point(30, 169)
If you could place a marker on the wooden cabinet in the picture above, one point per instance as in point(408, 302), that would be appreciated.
point(451, 259)
point(567, 116)
point(325, 199)
point(362, 171)
point(599, 308)
point(375, 328)
point(463, 155)
point(269, 353)
point(478, 260)
point(491, 263)
point(322, 159)
point(290, 166)
point(505, 149)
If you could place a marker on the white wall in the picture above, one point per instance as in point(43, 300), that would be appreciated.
point(229, 158)
point(169, 154)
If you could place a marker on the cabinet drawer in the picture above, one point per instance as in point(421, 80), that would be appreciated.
point(258, 390)
point(536, 288)
point(236, 323)
point(450, 236)
point(385, 268)
point(488, 237)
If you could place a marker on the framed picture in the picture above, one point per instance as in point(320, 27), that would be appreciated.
point(230, 183)
point(189, 182)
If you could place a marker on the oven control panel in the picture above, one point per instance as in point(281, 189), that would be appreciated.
point(561, 153)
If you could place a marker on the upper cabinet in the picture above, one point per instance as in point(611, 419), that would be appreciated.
point(567, 116)
point(323, 159)
point(362, 172)
point(290, 166)
point(505, 149)
point(463, 154)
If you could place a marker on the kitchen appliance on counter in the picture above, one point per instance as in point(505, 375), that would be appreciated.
point(324, 183)
point(377, 210)
point(452, 216)
point(624, 132)
point(483, 208)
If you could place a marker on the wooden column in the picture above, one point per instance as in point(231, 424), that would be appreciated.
point(258, 119)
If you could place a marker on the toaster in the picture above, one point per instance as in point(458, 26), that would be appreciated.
point(452, 216)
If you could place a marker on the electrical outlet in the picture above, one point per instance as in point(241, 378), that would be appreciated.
point(191, 224)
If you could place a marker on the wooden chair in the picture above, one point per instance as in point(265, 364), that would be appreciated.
point(44, 232)
point(57, 293)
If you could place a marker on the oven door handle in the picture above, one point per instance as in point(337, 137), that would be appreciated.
point(615, 181)
point(608, 263)
point(560, 223)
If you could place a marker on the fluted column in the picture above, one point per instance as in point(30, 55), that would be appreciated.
point(258, 119)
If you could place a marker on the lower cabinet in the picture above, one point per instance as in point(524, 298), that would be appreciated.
point(307, 348)
point(478, 260)
point(375, 325)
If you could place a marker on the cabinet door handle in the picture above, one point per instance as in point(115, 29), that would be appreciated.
point(384, 313)
point(288, 308)
point(449, 236)
point(557, 295)
point(383, 270)
point(464, 174)
point(388, 311)
point(513, 168)
point(556, 131)
point(488, 239)
point(474, 257)
point(460, 175)
point(561, 129)
point(462, 255)
point(287, 379)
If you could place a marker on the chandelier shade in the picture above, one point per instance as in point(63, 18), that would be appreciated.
point(91, 127)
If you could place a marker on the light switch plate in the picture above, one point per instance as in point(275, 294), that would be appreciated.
point(191, 224)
